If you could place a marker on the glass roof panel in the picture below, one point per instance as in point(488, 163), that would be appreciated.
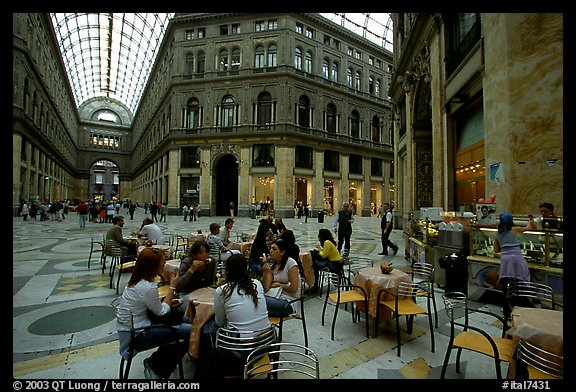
point(376, 27)
point(109, 54)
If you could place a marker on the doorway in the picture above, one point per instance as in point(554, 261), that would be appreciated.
point(226, 184)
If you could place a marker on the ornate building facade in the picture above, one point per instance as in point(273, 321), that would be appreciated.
point(247, 108)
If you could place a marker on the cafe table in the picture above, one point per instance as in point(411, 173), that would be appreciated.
point(199, 311)
point(167, 249)
point(306, 261)
point(241, 246)
point(541, 327)
point(373, 280)
point(193, 237)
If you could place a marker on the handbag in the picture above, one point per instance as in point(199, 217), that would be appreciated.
point(173, 317)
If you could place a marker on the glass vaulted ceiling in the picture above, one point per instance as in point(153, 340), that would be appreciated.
point(112, 54)
point(109, 54)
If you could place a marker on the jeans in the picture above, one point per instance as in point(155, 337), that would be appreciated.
point(82, 219)
point(277, 306)
point(167, 356)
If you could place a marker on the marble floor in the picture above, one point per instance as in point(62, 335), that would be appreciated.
point(64, 326)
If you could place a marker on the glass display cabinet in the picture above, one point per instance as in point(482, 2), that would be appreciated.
point(542, 250)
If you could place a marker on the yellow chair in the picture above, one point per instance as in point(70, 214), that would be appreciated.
point(279, 358)
point(242, 343)
point(424, 272)
point(345, 293)
point(541, 364)
point(403, 303)
point(278, 322)
point(465, 336)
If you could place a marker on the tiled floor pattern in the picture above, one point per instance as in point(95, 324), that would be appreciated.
point(63, 326)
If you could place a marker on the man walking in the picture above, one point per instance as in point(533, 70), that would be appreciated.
point(343, 227)
point(386, 225)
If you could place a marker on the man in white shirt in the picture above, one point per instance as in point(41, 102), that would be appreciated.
point(225, 231)
point(150, 230)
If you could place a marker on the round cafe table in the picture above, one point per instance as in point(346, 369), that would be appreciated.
point(373, 280)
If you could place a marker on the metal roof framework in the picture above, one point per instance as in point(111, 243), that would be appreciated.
point(112, 54)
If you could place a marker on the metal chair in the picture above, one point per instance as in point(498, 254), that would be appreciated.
point(539, 363)
point(119, 263)
point(279, 321)
point(403, 303)
point(423, 273)
point(125, 316)
point(465, 336)
point(95, 246)
point(345, 293)
point(279, 358)
point(240, 344)
point(530, 294)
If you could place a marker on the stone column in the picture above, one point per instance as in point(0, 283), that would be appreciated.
point(284, 182)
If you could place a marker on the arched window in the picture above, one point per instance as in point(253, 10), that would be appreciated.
point(189, 66)
point(264, 108)
point(331, 118)
point(335, 72)
point(358, 85)
point(235, 59)
point(193, 109)
point(325, 69)
point(223, 60)
point(308, 62)
point(259, 57)
point(349, 80)
point(304, 111)
point(355, 124)
point(227, 111)
point(272, 56)
point(370, 85)
point(298, 58)
point(201, 62)
point(375, 129)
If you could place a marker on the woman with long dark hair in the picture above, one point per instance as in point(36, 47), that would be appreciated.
point(282, 272)
point(239, 303)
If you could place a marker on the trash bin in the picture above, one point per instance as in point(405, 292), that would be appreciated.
point(456, 266)
point(321, 216)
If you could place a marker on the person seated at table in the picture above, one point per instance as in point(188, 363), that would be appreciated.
point(283, 272)
point(195, 271)
point(225, 231)
point(114, 234)
point(239, 304)
point(140, 297)
point(218, 251)
point(259, 249)
point(325, 255)
point(150, 230)
point(292, 248)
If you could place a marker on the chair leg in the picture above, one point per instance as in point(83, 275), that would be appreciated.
point(124, 372)
point(90, 256)
point(398, 333)
point(181, 370)
point(431, 331)
point(367, 319)
point(334, 320)
point(119, 273)
point(446, 359)
point(113, 263)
